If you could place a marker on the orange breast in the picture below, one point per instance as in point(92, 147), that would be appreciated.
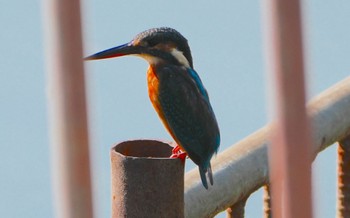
point(153, 84)
point(153, 88)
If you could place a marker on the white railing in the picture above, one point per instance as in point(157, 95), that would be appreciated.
point(243, 168)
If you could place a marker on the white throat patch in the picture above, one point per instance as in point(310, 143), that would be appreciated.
point(150, 59)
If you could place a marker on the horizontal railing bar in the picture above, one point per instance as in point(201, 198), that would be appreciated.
point(243, 168)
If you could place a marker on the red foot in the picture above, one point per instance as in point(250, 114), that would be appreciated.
point(177, 153)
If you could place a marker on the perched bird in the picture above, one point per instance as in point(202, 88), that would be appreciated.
point(177, 94)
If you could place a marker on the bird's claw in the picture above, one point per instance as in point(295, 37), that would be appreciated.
point(178, 153)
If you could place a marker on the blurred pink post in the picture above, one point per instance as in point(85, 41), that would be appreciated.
point(67, 109)
point(290, 151)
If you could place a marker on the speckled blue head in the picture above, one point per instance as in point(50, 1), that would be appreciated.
point(157, 44)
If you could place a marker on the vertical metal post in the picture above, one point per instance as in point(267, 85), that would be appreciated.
point(290, 152)
point(237, 210)
point(67, 109)
point(267, 202)
point(145, 181)
point(343, 200)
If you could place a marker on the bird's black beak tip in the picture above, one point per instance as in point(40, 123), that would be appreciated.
point(89, 58)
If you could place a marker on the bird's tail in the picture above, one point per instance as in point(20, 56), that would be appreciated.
point(204, 171)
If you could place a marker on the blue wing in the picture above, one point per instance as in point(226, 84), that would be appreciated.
point(187, 110)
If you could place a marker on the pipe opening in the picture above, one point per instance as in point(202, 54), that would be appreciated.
point(144, 148)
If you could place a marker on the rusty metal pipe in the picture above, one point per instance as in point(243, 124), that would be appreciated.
point(145, 182)
point(237, 210)
point(343, 192)
point(289, 152)
point(267, 202)
point(67, 109)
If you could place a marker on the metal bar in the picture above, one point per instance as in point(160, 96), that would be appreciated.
point(343, 201)
point(145, 182)
point(67, 109)
point(244, 165)
point(267, 202)
point(290, 156)
point(237, 210)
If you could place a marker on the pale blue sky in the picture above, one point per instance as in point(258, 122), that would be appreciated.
point(226, 43)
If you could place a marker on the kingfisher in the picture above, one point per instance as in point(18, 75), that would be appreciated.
point(177, 94)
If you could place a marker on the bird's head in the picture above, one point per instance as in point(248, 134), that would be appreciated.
point(157, 46)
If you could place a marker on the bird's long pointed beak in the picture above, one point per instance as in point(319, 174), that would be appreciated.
point(118, 51)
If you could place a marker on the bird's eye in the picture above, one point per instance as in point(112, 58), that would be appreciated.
point(152, 43)
point(144, 44)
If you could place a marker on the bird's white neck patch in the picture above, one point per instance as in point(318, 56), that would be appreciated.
point(180, 57)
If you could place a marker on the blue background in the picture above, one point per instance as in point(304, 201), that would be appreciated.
point(226, 42)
